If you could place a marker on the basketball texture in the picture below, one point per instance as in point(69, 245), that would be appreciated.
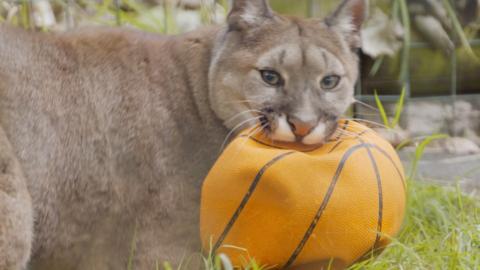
point(290, 207)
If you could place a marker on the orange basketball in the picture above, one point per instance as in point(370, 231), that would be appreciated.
point(291, 208)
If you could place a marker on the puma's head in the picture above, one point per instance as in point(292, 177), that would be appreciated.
point(295, 77)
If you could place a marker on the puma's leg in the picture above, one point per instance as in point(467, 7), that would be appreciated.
point(16, 220)
point(176, 244)
point(167, 227)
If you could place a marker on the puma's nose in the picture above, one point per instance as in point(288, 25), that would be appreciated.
point(300, 128)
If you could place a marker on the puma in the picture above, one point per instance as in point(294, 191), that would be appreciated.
point(106, 134)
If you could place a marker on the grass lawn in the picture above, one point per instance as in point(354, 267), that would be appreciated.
point(441, 231)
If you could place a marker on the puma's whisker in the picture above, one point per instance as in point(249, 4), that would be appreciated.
point(365, 114)
point(242, 101)
point(250, 134)
point(346, 132)
point(234, 129)
point(367, 121)
point(240, 114)
point(366, 105)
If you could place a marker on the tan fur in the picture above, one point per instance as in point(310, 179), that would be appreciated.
point(111, 132)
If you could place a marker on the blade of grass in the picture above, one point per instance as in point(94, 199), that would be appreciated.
point(118, 12)
point(376, 66)
point(402, 144)
point(25, 14)
point(382, 111)
point(139, 10)
point(133, 247)
point(169, 17)
point(224, 262)
point(421, 149)
point(2, 18)
point(459, 30)
point(406, 40)
point(399, 109)
point(394, 10)
point(100, 9)
point(167, 266)
point(459, 200)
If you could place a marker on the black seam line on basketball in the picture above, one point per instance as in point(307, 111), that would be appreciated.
point(380, 195)
point(399, 174)
point(340, 142)
point(246, 198)
point(383, 152)
point(335, 146)
point(324, 203)
point(394, 165)
point(363, 132)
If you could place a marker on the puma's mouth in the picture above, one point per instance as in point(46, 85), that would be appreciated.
point(283, 128)
point(264, 122)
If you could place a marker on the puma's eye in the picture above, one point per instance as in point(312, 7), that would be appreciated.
point(271, 77)
point(329, 82)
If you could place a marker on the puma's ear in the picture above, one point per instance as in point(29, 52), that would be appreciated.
point(348, 19)
point(248, 13)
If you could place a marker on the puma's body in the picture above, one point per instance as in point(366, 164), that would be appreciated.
point(111, 128)
point(106, 134)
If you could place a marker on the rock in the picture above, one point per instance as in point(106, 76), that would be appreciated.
point(461, 120)
point(462, 116)
point(425, 118)
point(381, 36)
point(457, 146)
point(42, 14)
point(431, 20)
point(433, 31)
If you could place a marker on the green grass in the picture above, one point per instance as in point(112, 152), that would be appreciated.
point(441, 231)
point(398, 110)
